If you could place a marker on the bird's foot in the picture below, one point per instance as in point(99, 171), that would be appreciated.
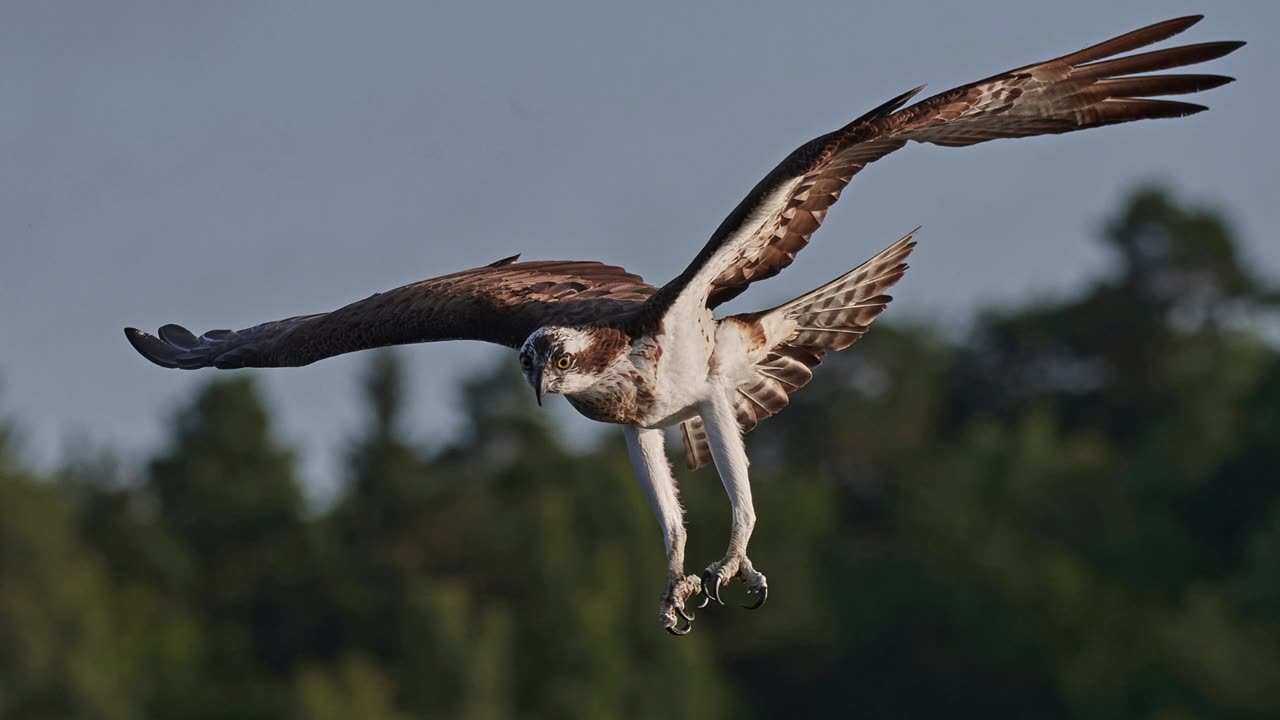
point(734, 565)
point(675, 604)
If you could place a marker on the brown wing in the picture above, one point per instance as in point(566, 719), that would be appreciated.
point(500, 303)
point(798, 334)
point(1077, 91)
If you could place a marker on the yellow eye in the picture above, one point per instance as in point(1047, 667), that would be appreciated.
point(563, 362)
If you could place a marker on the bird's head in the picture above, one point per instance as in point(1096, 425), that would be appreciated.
point(550, 358)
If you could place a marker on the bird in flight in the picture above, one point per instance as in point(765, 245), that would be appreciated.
point(649, 358)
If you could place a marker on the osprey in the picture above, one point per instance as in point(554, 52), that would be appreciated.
point(649, 358)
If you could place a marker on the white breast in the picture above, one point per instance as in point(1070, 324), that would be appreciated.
point(681, 368)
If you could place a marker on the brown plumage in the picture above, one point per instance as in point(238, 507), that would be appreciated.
point(1080, 90)
point(502, 303)
point(828, 319)
point(505, 301)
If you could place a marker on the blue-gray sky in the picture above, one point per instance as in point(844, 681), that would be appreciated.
point(221, 164)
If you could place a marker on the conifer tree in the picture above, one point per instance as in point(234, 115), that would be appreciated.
point(57, 651)
point(225, 489)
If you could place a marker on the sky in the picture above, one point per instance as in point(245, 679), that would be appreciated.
point(223, 164)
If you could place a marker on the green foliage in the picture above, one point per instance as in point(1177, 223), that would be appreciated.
point(1072, 512)
point(57, 659)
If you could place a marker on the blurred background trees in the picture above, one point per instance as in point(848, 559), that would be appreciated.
point(1072, 511)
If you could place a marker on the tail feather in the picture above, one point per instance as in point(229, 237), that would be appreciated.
point(835, 315)
point(799, 332)
point(697, 447)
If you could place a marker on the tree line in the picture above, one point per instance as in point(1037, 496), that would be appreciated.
point(1071, 511)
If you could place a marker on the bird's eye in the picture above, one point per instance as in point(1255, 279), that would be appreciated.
point(564, 362)
point(525, 362)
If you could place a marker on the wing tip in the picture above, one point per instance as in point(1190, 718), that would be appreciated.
point(1231, 46)
point(1166, 29)
point(178, 336)
point(504, 261)
point(1212, 82)
point(901, 100)
point(151, 347)
point(904, 244)
point(1175, 109)
point(886, 108)
point(1216, 49)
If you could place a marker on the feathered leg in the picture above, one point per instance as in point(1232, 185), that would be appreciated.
point(649, 458)
point(730, 456)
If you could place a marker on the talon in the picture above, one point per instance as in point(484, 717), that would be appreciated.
point(687, 618)
point(678, 632)
point(704, 602)
point(711, 589)
point(764, 595)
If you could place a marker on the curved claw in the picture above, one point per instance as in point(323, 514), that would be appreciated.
point(764, 595)
point(709, 588)
point(687, 617)
point(704, 602)
point(678, 632)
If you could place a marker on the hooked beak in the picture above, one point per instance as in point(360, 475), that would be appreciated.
point(539, 386)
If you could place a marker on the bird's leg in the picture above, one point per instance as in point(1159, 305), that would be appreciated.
point(730, 456)
point(648, 456)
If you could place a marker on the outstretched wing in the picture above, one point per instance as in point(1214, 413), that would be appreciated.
point(500, 303)
point(1082, 90)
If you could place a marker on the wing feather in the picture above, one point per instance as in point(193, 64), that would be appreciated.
point(502, 302)
point(828, 319)
point(1084, 89)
